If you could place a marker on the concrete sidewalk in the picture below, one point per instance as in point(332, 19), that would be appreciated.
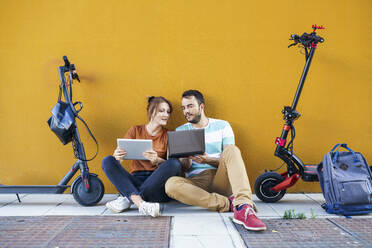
point(191, 226)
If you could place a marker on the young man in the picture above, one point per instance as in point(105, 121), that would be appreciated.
point(216, 180)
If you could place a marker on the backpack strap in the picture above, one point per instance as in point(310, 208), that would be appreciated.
point(335, 147)
point(344, 145)
point(319, 170)
point(60, 93)
point(91, 135)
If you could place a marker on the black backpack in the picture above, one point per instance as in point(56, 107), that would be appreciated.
point(62, 121)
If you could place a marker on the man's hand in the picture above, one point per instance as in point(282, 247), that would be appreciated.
point(119, 154)
point(205, 159)
point(200, 159)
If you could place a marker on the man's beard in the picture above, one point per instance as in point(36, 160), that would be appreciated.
point(196, 119)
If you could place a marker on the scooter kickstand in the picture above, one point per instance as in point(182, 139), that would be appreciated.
point(19, 200)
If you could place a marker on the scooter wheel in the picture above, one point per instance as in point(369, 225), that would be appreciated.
point(263, 185)
point(93, 196)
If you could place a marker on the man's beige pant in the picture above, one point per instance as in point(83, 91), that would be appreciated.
point(211, 188)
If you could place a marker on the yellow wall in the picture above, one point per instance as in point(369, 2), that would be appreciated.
point(235, 52)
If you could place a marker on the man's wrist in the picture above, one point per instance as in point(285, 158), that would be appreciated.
point(213, 161)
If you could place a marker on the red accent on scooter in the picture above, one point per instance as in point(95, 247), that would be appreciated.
point(315, 27)
point(288, 182)
point(314, 45)
point(280, 142)
point(286, 128)
point(284, 174)
point(86, 183)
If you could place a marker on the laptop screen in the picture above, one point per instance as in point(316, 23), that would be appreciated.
point(186, 143)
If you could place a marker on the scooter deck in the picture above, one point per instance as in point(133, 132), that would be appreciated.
point(33, 189)
point(310, 173)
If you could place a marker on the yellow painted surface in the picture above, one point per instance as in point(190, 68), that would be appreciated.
point(235, 52)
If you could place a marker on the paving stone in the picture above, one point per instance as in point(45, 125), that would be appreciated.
point(186, 225)
point(175, 208)
point(84, 231)
point(312, 233)
point(359, 228)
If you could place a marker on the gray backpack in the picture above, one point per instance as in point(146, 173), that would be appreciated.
point(346, 182)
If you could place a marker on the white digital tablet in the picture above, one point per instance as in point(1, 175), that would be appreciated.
point(135, 148)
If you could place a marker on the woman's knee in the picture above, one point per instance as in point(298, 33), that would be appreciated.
point(173, 165)
point(108, 162)
point(176, 164)
point(173, 162)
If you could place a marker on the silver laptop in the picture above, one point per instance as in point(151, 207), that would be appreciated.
point(186, 143)
point(135, 148)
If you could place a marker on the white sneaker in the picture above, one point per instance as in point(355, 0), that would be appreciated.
point(118, 205)
point(149, 208)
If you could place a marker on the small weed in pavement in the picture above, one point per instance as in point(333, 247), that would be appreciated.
point(291, 214)
point(313, 215)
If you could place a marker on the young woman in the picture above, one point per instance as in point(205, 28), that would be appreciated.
point(144, 185)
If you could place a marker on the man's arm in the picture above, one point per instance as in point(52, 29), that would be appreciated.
point(205, 159)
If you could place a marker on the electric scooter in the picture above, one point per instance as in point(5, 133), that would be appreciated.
point(87, 189)
point(271, 186)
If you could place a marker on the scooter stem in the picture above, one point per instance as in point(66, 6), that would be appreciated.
point(303, 77)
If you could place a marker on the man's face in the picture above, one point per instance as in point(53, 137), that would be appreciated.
point(191, 109)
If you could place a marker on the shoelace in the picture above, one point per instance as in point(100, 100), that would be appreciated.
point(249, 211)
point(142, 208)
point(147, 208)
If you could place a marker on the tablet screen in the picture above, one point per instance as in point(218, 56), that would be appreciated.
point(135, 148)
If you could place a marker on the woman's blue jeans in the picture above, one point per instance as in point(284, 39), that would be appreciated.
point(148, 184)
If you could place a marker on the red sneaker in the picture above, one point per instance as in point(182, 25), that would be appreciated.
point(247, 217)
point(231, 199)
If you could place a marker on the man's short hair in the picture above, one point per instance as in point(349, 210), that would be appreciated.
point(195, 93)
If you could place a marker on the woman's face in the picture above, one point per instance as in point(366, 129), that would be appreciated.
point(162, 114)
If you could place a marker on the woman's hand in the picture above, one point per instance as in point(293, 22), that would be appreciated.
point(152, 156)
point(119, 154)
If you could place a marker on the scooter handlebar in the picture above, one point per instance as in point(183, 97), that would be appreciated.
point(67, 63)
point(306, 39)
point(70, 67)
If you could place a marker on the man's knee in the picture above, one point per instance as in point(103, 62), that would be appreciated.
point(173, 185)
point(231, 149)
point(108, 163)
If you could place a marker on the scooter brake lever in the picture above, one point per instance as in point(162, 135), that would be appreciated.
point(75, 76)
